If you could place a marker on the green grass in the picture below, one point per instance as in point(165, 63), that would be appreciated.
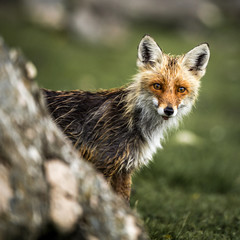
point(188, 191)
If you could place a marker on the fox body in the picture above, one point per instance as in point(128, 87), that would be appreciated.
point(119, 130)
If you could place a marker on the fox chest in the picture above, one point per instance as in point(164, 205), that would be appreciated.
point(143, 155)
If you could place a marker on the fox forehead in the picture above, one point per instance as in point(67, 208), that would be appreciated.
point(169, 73)
point(170, 67)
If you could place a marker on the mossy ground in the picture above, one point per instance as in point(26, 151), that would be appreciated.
point(190, 190)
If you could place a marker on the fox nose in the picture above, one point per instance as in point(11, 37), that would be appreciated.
point(168, 111)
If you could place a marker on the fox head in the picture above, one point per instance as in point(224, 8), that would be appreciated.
point(169, 84)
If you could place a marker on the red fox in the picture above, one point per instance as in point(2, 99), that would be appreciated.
point(119, 130)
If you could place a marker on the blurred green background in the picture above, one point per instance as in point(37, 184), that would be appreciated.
point(191, 190)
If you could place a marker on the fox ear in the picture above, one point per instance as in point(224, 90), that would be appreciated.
point(148, 52)
point(196, 60)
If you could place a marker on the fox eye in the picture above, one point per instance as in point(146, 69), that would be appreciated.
point(181, 89)
point(157, 86)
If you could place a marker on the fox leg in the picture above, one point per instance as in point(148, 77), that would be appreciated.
point(121, 183)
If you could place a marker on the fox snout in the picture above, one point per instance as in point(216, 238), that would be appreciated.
point(168, 111)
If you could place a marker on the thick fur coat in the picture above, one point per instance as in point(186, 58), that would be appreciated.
point(119, 130)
